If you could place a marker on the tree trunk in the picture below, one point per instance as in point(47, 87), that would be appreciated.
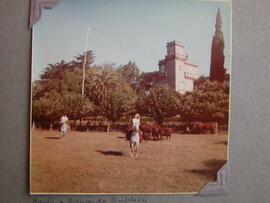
point(80, 123)
point(108, 126)
point(51, 126)
point(188, 127)
point(74, 124)
point(216, 127)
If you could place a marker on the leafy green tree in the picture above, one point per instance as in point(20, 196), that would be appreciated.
point(200, 81)
point(118, 103)
point(59, 91)
point(217, 70)
point(131, 73)
point(149, 80)
point(38, 89)
point(48, 108)
point(208, 102)
point(62, 77)
point(76, 106)
point(159, 103)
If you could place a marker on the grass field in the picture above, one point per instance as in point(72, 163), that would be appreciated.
point(98, 162)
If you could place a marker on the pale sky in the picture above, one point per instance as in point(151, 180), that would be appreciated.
point(123, 30)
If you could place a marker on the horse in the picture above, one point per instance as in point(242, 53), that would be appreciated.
point(63, 129)
point(128, 131)
point(134, 142)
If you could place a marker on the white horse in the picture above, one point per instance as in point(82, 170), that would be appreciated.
point(134, 142)
point(64, 126)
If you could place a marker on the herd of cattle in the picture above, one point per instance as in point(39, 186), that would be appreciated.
point(202, 127)
point(156, 132)
point(150, 132)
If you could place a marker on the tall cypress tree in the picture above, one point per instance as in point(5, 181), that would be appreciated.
point(217, 70)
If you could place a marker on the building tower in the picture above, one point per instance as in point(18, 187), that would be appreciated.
point(179, 72)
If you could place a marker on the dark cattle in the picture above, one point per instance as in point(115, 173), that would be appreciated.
point(204, 127)
point(156, 132)
point(146, 131)
point(151, 131)
point(165, 133)
point(144, 135)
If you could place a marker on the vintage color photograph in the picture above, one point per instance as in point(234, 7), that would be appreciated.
point(130, 96)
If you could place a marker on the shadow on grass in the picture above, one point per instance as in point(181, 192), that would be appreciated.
point(225, 142)
point(112, 153)
point(211, 172)
point(53, 138)
point(215, 163)
point(121, 137)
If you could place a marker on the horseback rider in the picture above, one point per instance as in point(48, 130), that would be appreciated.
point(64, 125)
point(136, 125)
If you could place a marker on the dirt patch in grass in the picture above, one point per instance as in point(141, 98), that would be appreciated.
point(97, 162)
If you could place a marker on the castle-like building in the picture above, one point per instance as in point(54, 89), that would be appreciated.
point(179, 73)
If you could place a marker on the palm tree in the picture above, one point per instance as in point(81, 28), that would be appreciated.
point(101, 83)
point(99, 87)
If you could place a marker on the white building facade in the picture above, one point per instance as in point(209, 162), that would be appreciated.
point(179, 72)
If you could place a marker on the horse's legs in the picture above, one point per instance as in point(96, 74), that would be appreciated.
point(131, 150)
point(136, 150)
point(141, 136)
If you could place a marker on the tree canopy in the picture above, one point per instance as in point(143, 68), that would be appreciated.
point(159, 103)
point(58, 92)
point(208, 102)
point(114, 93)
point(131, 73)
